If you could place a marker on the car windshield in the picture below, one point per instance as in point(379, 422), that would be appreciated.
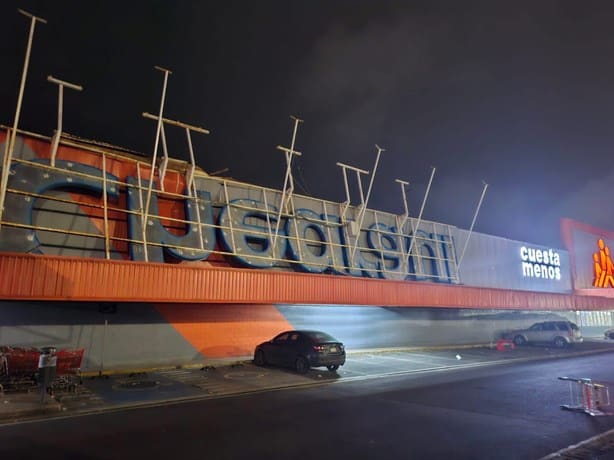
point(318, 336)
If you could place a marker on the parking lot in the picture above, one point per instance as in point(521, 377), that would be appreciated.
point(162, 386)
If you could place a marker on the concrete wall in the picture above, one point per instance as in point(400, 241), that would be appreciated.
point(142, 335)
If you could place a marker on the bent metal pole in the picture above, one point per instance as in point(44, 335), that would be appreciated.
point(475, 216)
point(401, 220)
point(58, 132)
point(145, 212)
point(426, 195)
point(365, 202)
point(288, 190)
point(10, 146)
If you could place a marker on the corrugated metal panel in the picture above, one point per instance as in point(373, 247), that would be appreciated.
point(37, 277)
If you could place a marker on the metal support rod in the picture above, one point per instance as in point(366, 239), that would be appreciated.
point(219, 171)
point(164, 161)
point(475, 216)
point(190, 177)
point(107, 242)
point(452, 259)
point(344, 169)
point(191, 186)
point(379, 153)
point(347, 192)
point(188, 128)
point(289, 153)
point(286, 194)
point(298, 239)
point(139, 178)
point(365, 202)
point(379, 235)
point(8, 155)
point(179, 124)
point(426, 194)
point(360, 191)
point(331, 247)
point(58, 132)
point(401, 223)
point(404, 195)
point(268, 221)
point(229, 207)
point(198, 218)
point(153, 162)
point(437, 246)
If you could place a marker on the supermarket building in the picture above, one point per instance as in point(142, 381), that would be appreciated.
point(149, 264)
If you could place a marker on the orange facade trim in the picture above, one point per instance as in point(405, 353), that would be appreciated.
point(38, 277)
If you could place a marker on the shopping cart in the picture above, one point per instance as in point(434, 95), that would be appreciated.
point(68, 372)
point(4, 371)
point(19, 368)
point(587, 396)
point(20, 365)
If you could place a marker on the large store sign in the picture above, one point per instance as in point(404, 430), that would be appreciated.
point(590, 256)
point(540, 263)
point(240, 229)
point(603, 267)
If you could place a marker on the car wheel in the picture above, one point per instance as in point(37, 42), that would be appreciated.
point(259, 359)
point(301, 365)
point(519, 340)
point(560, 342)
point(332, 368)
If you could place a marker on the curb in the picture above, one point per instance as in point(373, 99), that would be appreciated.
point(31, 412)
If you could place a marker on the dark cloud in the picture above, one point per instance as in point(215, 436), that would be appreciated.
point(518, 94)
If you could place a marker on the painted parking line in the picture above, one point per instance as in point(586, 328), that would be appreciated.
point(452, 355)
point(352, 372)
point(423, 359)
point(371, 361)
point(407, 359)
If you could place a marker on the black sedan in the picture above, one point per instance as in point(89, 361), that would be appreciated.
point(301, 350)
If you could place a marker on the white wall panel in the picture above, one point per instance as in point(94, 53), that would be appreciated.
point(496, 262)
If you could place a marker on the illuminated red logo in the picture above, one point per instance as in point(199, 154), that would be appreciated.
point(603, 266)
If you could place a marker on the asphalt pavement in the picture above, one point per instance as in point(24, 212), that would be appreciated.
point(142, 388)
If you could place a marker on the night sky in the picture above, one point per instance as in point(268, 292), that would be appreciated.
point(517, 94)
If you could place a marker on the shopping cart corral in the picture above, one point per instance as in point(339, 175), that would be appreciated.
point(19, 369)
point(589, 397)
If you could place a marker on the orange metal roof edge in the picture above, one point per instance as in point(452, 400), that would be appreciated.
point(56, 278)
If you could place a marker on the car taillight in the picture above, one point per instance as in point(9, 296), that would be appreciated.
point(319, 348)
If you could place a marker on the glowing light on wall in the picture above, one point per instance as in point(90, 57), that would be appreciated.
point(603, 268)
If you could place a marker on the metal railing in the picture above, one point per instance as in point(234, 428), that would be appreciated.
point(392, 244)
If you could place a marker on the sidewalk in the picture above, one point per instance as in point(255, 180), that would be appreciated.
point(140, 389)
